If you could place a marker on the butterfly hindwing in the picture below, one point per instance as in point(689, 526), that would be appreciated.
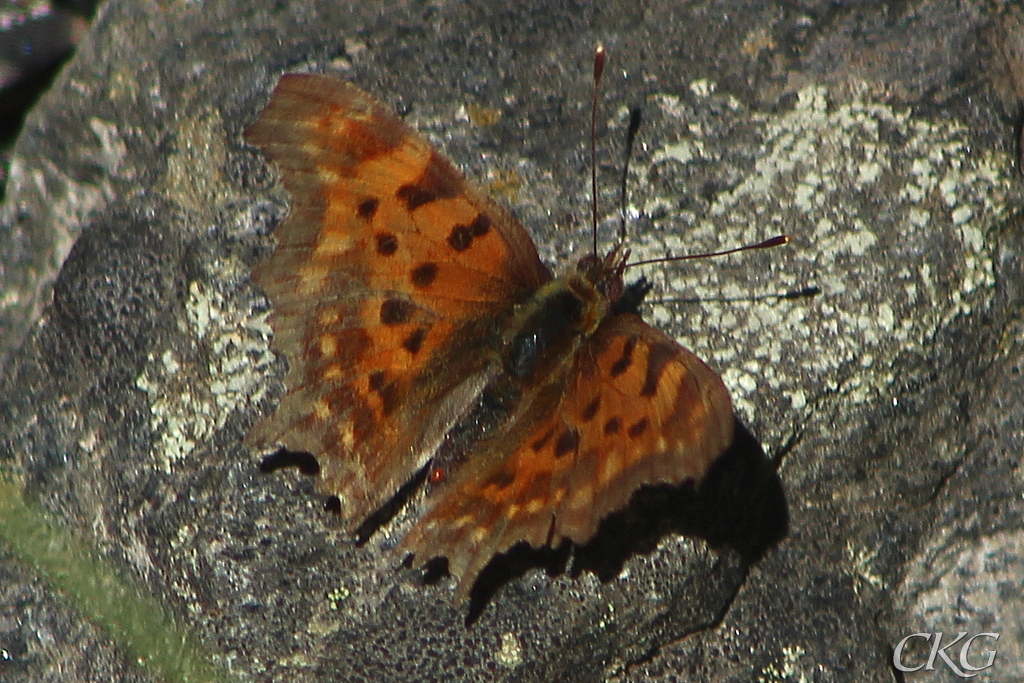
point(637, 409)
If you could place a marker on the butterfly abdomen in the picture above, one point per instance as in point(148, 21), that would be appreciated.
point(535, 356)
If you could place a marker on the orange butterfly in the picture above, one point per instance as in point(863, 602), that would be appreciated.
point(421, 326)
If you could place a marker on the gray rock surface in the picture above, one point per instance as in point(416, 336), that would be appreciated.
point(134, 347)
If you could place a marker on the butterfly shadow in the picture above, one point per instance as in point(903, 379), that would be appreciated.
point(740, 505)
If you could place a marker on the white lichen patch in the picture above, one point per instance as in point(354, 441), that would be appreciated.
point(889, 216)
point(787, 668)
point(193, 391)
point(703, 87)
point(510, 654)
point(683, 151)
point(863, 562)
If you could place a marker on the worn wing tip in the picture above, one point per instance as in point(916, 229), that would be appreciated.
point(427, 551)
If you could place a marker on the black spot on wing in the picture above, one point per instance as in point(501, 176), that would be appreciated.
point(567, 443)
point(439, 181)
point(367, 208)
point(377, 380)
point(543, 440)
point(414, 341)
point(424, 274)
point(460, 238)
point(638, 428)
point(612, 426)
point(480, 226)
point(626, 359)
point(387, 243)
point(659, 356)
point(591, 409)
point(396, 311)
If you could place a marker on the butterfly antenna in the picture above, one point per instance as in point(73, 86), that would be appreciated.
point(635, 117)
point(599, 58)
point(776, 241)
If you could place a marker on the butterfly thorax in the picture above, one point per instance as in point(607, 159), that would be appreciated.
point(548, 329)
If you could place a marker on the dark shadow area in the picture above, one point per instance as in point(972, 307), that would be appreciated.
point(511, 565)
point(808, 292)
point(305, 463)
point(388, 510)
point(740, 505)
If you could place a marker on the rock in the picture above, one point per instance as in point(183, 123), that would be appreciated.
point(136, 357)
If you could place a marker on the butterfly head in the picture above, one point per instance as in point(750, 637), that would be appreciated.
point(605, 273)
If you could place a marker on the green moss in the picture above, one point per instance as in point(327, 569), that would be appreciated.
point(132, 619)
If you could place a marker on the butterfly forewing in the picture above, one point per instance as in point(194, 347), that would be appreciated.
point(389, 270)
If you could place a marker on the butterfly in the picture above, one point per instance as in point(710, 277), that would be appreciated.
point(425, 335)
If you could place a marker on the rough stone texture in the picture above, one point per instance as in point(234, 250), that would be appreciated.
point(880, 136)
